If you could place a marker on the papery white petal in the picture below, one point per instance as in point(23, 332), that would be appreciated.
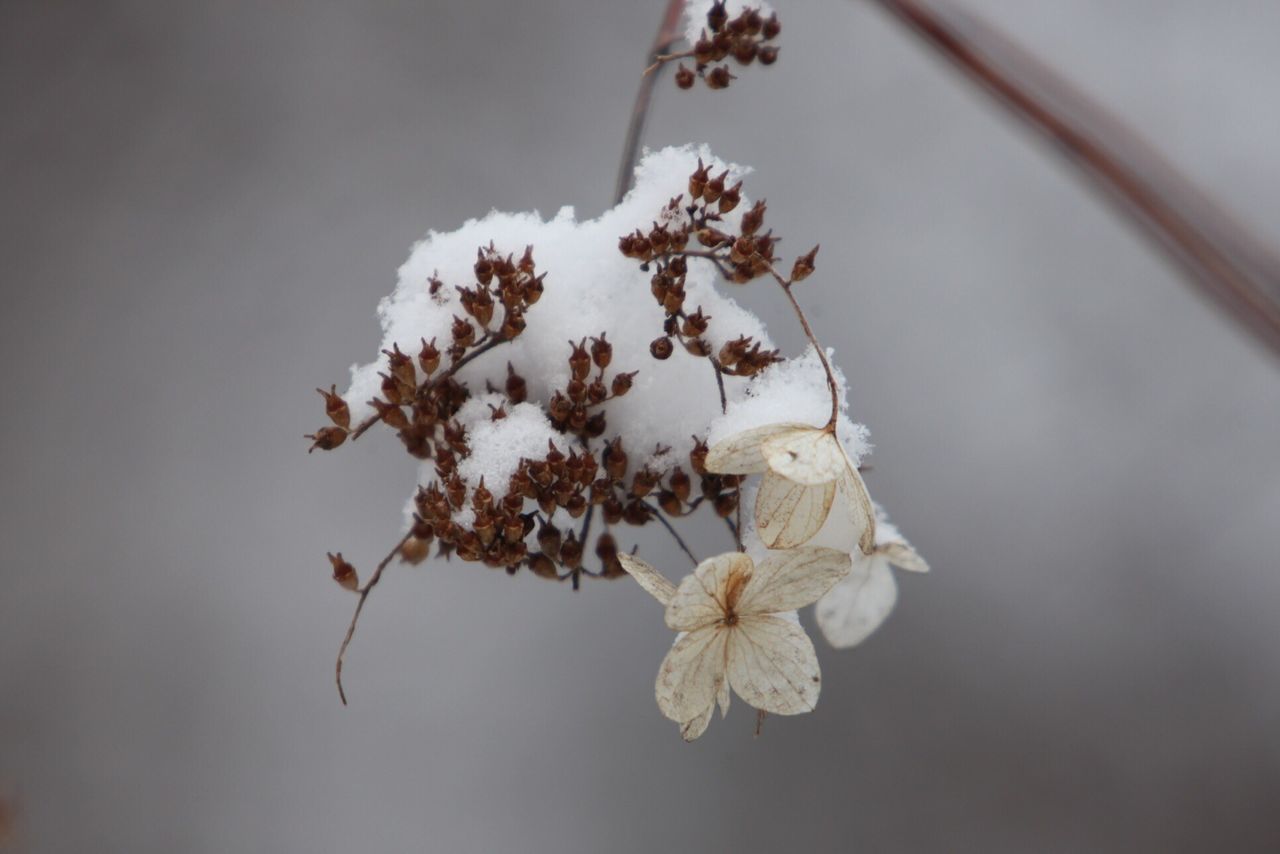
point(862, 513)
point(787, 580)
point(772, 665)
point(810, 456)
point(722, 698)
point(741, 453)
point(699, 600)
point(856, 607)
point(787, 513)
point(649, 578)
point(690, 730)
point(691, 675)
point(901, 555)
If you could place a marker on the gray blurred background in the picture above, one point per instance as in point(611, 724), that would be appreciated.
point(202, 203)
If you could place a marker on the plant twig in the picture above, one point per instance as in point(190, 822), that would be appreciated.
point(1233, 267)
point(364, 594)
point(658, 514)
point(668, 34)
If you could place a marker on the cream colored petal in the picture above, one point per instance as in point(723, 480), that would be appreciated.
point(722, 698)
point(901, 555)
point(862, 513)
point(810, 456)
point(787, 580)
point(772, 665)
point(649, 578)
point(699, 600)
point(741, 454)
point(690, 676)
point(856, 607)
point(690, 730)
point(788, 514)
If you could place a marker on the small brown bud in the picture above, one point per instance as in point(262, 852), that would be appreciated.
point(613, 511)
point(513, 323)
point(670, 503)
point(464, 334)
point(729, 198)
point(542, 566)
point(601, 351)
point(343, 572)
point(717, 15)
point(715, 187)
point(743, 248)
point(719, 78)
point(643, 482)
point(679, 483)
point(335, 407)
point(483, 268)
point(597, 392)
point(698, 456)
point(704, 52)
point(698, 181)
point(415, 550)
point(697, 347)
point(392, 416)
point(615, 459)
point(326, 438)
point(712, 237)
point(768, 55)
point(526, 261)
point(753, 219)
point(725, 504)
point(754, 22)
point(804, 266)
point(607, 551)
point(771, 27)
point(575, 506)
point(661, 348)
point(579, 360)
point(622, 383)
point(595, 426)
point(517, 389)
point(429, 357)
point(744, 50)
point(571, 551)
point(685, 77)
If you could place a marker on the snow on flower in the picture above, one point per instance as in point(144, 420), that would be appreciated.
point(736, 635)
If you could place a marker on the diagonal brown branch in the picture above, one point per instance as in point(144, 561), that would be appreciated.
point(1238, 271)
point(668, 34)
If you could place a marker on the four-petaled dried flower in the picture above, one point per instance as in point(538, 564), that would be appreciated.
point(736, 635)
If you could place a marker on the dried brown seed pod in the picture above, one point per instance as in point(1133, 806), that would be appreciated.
point(326, 438)
point(661, 348)
point(344, 573)
point(335, 407)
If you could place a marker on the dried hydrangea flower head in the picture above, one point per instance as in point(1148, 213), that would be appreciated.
point(544, 417)
point(734, 635)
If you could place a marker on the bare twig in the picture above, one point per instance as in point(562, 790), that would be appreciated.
point(364, 594)
point(658, 514)
point(668, 34)
point(1233, 267)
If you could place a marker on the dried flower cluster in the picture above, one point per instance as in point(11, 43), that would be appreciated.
point(548, 411)
point(716, 36)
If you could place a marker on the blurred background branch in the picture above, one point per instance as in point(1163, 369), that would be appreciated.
point(1236, 270)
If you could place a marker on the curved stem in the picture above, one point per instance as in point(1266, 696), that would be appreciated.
point(364, 594)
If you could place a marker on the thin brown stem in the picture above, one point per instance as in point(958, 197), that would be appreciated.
point(493, 341)
point(785, 284)
point(675, 535)
point(668, 34)
point(364, 594)
point(1232, 266)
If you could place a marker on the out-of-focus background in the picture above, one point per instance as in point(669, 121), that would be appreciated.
point(202, 203)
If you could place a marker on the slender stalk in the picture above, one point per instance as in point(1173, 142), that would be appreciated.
point(364, 594)
point(675, 535)
point(785, 284)
point(668, 34)
point(1234, 268)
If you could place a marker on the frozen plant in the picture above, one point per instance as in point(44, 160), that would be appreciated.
point(561, 381)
